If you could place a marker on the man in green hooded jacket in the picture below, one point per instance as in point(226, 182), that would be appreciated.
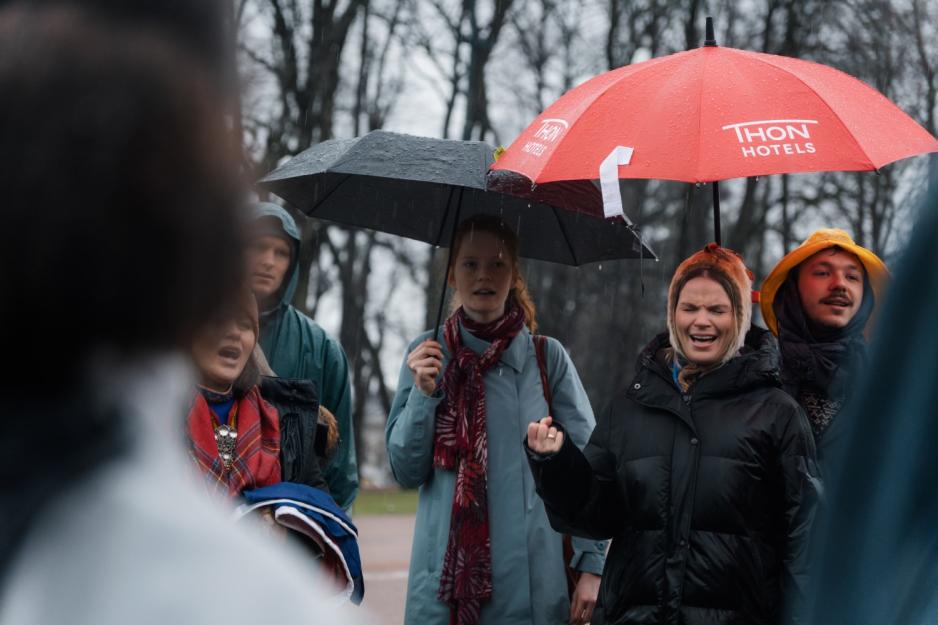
point(295, 345)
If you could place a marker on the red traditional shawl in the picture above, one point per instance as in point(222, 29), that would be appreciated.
point(461, 443)
point(256, 460)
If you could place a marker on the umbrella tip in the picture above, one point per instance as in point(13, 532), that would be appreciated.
point(711, 40)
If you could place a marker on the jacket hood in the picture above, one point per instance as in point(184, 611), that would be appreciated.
point(757, 365)
point(822, 239)
point(268, 209)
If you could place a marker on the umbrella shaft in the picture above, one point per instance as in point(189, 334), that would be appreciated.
point(717, 237)
point(449, 263)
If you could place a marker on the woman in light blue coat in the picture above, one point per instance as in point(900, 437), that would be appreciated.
point(484, 552)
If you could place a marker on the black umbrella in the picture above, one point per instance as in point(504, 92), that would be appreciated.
point(420, 188)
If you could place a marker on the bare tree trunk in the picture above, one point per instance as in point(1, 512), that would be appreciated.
point(612, 34)
point(482, 42)
point(691, 39)
point(786, 220)
point(361, 90)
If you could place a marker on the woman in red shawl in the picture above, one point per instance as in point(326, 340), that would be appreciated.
point(234, 434)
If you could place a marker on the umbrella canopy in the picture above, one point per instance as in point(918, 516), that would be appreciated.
point(421, 188)
point(702, 116)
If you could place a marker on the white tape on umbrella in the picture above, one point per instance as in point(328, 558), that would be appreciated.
point(609, 181)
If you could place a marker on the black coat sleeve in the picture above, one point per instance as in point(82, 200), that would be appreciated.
point(802, 491)
point(579, 488)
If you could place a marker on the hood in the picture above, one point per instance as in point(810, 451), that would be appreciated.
point(875, 268)
point(729, 265)
point(757, 366)
point(267, 209)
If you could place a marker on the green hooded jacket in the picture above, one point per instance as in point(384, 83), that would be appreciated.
point(297, 347)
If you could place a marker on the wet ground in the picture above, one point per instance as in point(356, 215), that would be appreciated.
point(384, 542)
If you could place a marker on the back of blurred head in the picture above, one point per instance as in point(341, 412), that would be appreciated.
point(118, 231)
point(119, 235)
point(201, 29)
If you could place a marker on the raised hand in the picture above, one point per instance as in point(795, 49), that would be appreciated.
point(425, 363)
point(543, 438)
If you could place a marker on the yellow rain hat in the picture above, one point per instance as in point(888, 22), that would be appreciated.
point(821, 240)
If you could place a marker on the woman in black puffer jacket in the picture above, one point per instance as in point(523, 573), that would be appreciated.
point(703, 473)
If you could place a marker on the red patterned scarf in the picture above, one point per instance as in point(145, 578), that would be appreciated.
point(256, 460)
point(461, 443)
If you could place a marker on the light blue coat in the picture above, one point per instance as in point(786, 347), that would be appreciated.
point(529, 586)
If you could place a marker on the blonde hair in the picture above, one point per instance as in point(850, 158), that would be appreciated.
point(509, 240)
point(726, 268)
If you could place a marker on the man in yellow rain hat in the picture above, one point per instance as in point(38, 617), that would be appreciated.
point(820, 301)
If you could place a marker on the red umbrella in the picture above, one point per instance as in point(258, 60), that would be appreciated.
point(702, 116)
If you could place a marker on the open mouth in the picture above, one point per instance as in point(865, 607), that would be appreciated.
point(230, 355)
point(837, 301)
point(484, 292)
point(702, 340)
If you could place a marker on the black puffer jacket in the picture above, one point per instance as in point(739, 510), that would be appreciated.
point(708, 496)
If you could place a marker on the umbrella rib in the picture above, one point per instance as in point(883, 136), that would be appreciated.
point(566, 237)
point(331, 191)
point(703, 85)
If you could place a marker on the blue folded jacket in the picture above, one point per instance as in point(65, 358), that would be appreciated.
point(313, 512)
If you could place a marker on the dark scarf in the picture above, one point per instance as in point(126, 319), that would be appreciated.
point(257, 452)
point(461, 443)
point(819, 362)
point(685, 373)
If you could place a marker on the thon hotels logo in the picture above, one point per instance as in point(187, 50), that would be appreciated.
point(545, 136)
point(774, 137)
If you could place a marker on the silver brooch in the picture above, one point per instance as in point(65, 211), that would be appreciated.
point(226, 438)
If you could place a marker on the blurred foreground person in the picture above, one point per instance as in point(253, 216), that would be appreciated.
point(877, 555)
point(118, 237)
point(703, 473)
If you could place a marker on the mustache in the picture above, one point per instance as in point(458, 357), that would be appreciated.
point(838, 297)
